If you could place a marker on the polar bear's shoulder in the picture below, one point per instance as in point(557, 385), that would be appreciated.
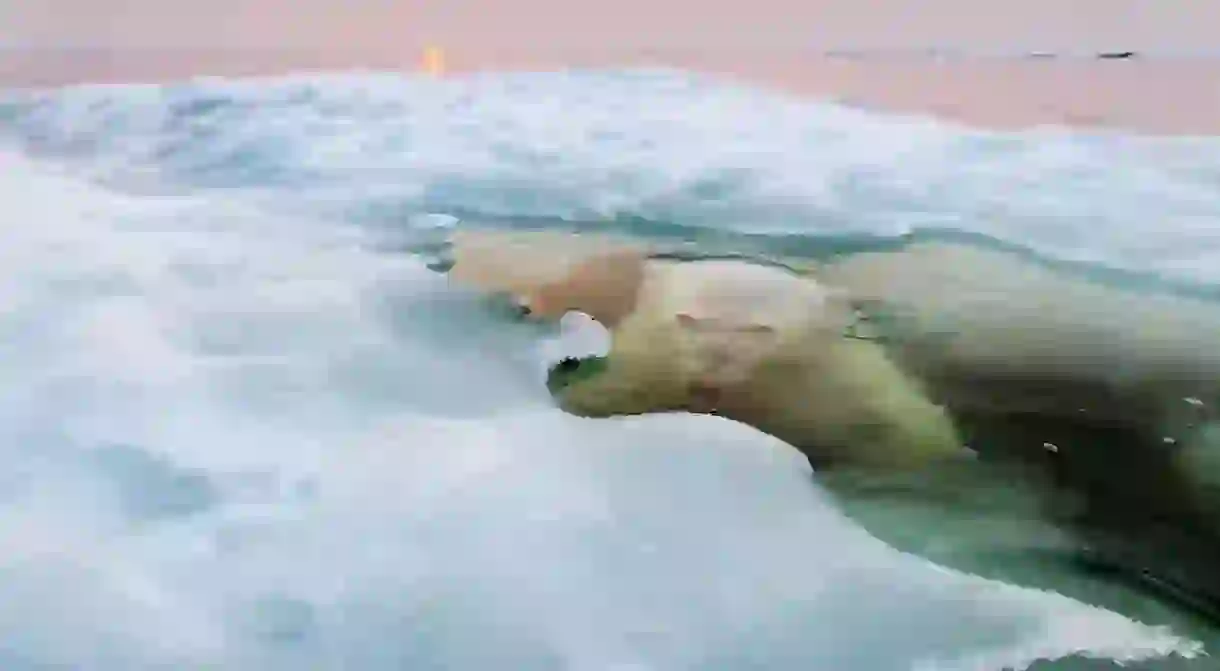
point(739, 295)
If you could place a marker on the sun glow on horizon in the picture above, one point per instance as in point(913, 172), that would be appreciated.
point(433, 61)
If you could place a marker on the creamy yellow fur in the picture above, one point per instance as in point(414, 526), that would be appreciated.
point(840, 401)
point(749, 342)
point(546, 272)
point(1007, 312)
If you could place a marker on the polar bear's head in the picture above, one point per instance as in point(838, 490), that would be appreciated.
point(549, 275)
point(604, 286)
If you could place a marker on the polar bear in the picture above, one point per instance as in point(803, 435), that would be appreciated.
point(751, 342)
point(1102, 389)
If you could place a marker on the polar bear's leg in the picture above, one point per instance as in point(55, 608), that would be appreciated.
point(843, 402)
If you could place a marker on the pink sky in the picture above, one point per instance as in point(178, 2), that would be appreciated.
point(1144, 25)
point(757, 40)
